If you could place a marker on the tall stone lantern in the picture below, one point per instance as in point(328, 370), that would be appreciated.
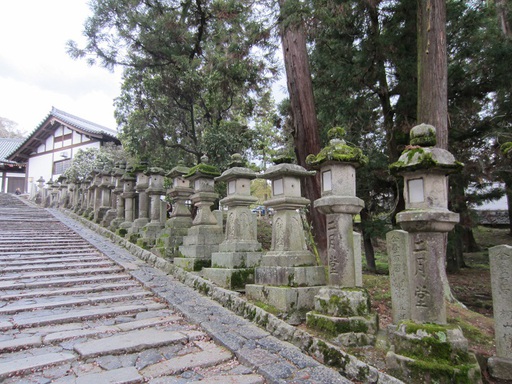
point(233, 266)
point(128, 195)
point(180, 219)
point(416, 257)
point(141, 185)
point(427, 219)
point(155, 190)
point(205, 234)
point(288, 277)
point(342, 309)
point(117, 192)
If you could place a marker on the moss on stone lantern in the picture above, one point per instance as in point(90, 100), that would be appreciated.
point(337, 150)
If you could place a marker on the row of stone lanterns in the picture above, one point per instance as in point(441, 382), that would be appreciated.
point(288, 276)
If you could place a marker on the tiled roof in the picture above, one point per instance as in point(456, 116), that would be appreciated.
point(7, 146)
point(43, 130)
point(80, 123)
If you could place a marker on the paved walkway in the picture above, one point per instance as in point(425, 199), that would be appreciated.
point(76, 308)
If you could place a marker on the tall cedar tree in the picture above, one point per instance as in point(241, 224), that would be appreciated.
point(303, 112)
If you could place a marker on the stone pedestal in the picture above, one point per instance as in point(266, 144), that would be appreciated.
point(430, 353)
point(205, 234)
point(180, 220)
point(152, 230)
point(424, 348)
point(142, 219)
point(500, 258)
point(239, 253)
point(128, 196)
point(342, 310)
point(288, 277)
point(104, 189)
point(118, 199)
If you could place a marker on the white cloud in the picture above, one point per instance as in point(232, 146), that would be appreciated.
point(35, 71)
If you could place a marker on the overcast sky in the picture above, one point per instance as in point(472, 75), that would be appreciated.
point(35, 71)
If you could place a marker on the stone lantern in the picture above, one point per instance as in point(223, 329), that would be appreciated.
point(288, 277)
point(180, 219)
point(128, 180)
point(427, 220)
point(155, 190)
point(205, 234)
point(104, 188)
point(141, 185)
point(233, 266)
point(63, 192)
point(117, 192)
point(416, 257)
point(342, 309)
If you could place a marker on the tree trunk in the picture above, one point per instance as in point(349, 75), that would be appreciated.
point(503, 20)
point(433, 68)
point(306, 133)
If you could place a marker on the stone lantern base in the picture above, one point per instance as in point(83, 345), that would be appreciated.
point(344, 314)
point(199, 244)
point(99, 214)
point(288, 281)
point(171, 237)
point(291, 302)
point(430, 353)
point(149, 234)
point(233, 270)
point(500, 367)
point(110, 215)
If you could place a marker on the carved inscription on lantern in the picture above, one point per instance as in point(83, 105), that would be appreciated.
point(421, 292)
point(399, 279)
point(334, 238)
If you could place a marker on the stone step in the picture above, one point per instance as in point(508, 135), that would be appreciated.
point(79, 315)
point(232, 379)
point(50, 250)
point(49, 262)
point(128, 342)
point(28, 364)
point(131, 325)
point(209, 355)
point(82, 271)
point(18, 308)
point(21, 343)
point(61, 265)
point(44, 257)
point(128, 375)
point(62, 282)
point(68, 291)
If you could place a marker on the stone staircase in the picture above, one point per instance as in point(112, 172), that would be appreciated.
point(69, 314)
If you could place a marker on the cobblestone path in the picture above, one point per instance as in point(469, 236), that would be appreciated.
point(71, 313)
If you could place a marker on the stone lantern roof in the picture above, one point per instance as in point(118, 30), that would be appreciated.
point(179, 170)
point(236, 170)
point(203, 169)
point(421, 153)
point(155, 171)
point(285, 169)
point(337, 151)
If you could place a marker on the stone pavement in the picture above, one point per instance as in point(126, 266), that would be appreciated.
point(77, 308)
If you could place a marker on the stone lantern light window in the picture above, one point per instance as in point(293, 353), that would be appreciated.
point(232, 187)
point(327, 181)
point(415, 187)
point(277, 187)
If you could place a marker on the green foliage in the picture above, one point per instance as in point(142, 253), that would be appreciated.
point(194, 74)
point(88, 160)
